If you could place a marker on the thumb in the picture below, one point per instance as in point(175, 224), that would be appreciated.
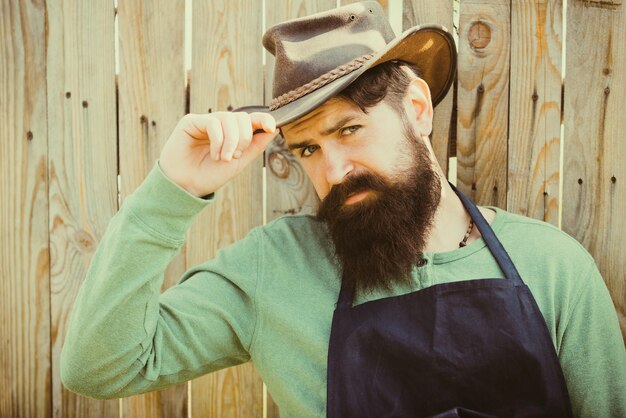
point(259, 142)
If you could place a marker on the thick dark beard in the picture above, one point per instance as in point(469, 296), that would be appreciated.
point(379, 240)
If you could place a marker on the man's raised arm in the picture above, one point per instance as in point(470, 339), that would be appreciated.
point(125, 338)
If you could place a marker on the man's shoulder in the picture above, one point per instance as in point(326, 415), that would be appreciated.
point(296, 241)
point(293, 224)
point(302, 230)
point(538, 238)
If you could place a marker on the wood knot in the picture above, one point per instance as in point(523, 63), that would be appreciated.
point(84, 241)
point(29, 135)
point(602, 4)
point(279, 165)
point(85, 104)
point(479, 35)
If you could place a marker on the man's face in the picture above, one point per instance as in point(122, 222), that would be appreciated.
point(338, 140)
point(378, 187)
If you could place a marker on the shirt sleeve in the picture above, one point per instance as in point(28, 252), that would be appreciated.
point(124, 337)
point(592, 353)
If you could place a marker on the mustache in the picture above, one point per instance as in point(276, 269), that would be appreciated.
point(352, 185)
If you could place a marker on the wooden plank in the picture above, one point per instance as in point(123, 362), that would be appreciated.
point(419, 12)
point(289, 190)
point(483, 98)
point(151, 101)
point(227, 73)
point(83, 164)
point(535, 109)
point(594, 196)
point(25, 377)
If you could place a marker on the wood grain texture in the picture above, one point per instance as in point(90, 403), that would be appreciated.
point(535, 109)
point(594, 173)
point(25, 366)
point(483, 98)
point(418, 12)
point(151, 101)
point(227, 73)
point(289, 190)
point(83, 164)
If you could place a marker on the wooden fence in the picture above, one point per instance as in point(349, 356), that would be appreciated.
point(66, 135)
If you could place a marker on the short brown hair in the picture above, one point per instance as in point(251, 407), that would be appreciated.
point(386, 81)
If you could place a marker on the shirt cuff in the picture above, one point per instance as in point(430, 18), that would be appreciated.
point(163, 206)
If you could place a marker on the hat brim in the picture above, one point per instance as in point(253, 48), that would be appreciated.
point(430, 47)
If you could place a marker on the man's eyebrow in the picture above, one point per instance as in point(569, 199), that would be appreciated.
point(337, 125)
point(340, 123)
point(298, 145)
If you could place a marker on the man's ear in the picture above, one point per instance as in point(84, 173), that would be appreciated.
point(420, 105)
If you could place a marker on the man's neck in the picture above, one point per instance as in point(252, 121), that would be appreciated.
point(451, 222)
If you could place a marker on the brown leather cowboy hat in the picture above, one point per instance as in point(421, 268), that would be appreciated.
point(319, 55)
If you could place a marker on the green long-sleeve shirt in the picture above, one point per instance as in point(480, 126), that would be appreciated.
point(269, 298)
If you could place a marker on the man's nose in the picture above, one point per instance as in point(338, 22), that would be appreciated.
point(338, 166)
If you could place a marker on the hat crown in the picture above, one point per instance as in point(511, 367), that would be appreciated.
point(311, 46)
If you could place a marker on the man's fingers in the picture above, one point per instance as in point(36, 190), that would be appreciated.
point(259, 142)
point(231, 136)
point(216, 136)
point(245, 133)
point(263, 121)
point(231, 133)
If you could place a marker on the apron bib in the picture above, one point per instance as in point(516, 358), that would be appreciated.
point(472, 348)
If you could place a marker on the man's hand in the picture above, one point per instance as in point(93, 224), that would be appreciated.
point(205, 151)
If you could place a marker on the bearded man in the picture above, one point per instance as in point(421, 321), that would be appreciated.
point(399, 298)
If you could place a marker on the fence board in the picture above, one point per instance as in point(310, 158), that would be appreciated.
point(483, 94)
point(25, 386)
point(594, 196)
point(418, 12)
point(151, 101)
point(83, 164)
point(227, 73)
point(289, 190)
point(535, 109)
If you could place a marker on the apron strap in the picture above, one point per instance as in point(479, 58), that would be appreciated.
point(346, 295)
point(493, 243)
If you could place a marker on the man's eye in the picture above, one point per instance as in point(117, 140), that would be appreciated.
point(350, 130)
point(308, 150)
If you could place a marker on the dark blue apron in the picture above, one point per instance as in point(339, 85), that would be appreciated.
point(473, 348)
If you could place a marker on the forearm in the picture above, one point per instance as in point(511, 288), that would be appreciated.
point(115, 314)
